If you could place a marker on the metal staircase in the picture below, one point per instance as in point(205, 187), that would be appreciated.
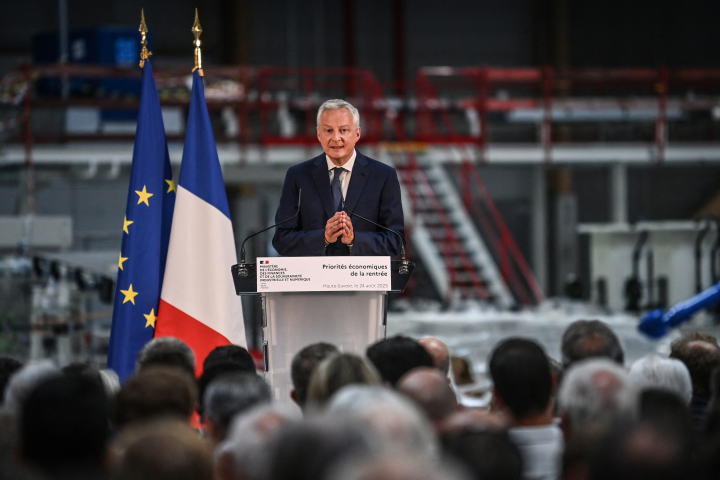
point(445, 238)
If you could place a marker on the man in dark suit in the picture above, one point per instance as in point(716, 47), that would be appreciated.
point(335, 184)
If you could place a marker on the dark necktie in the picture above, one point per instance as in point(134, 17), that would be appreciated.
point(336, 188)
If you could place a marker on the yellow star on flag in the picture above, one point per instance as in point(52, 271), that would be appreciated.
point(129, 295)
point(151, 318)
point(122, 260)
point(144, 195)
point(171, 187)
point(126, 223)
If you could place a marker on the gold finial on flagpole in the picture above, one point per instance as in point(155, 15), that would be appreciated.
point(197, 30)
point(144, 53)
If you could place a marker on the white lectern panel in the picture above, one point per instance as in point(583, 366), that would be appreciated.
point(349, 320)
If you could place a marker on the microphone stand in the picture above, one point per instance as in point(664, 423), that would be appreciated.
point(242, 270)
point(403, 270)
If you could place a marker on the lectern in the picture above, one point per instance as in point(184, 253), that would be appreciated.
point(341, 313)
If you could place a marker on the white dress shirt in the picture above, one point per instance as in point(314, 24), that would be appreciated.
point(344, 176)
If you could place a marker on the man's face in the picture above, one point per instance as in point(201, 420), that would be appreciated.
point(337, 135)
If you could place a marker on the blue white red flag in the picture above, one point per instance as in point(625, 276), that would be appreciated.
point(146, 232)
point(198, 303)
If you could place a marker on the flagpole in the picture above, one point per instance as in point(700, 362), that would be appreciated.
point(197, 30)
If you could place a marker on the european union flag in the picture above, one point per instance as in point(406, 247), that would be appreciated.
point(146, 232)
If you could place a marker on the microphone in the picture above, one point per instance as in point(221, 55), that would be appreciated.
point(243, 271)
point(404, 266)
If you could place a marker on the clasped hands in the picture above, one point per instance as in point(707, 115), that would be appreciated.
point(339, 226)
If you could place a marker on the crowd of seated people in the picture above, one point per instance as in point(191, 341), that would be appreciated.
point(393, 413)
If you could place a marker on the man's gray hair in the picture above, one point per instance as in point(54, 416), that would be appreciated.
point(232, 394)
point(392, 417)
point(157, 349)
point(337, 104)
point(597, 390)
point(653, 371)
point(251, 434)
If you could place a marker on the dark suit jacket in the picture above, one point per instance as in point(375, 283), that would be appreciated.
point(373, 192)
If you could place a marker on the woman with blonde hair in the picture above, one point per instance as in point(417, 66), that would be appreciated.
point(335, 372)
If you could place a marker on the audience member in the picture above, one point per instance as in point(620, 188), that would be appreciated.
point(165, 450)
point(522, 391)
point(335, 372)
point(396, 466)
point(667, 411)
point(641, 452)
point(653, 371)
point(154, 393)
point(439, 353)
point(309, 450)
point(596, 390)
point(430, 391)
point(590, 339)
point(487, 455)
point(303, 364)
point(166, 352)
point(8, 366)
point(25, 380)
point(245, 454)
point(64, 429)
point(701, 355)
point(392, 418)
point(218, 370)
point(228, 396)
point(234, 354)
point(395, 356)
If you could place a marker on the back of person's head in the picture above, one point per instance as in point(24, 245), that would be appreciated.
point(304, 363)
point(439, 353)
point(308, 450)
point(641, 452)
point(701, 355)
point(590, 339)
point(25, 380)
point(521, 377)
point(667, 411)
point(83, 369)
point(8, 366)
point(596, 390)
point(216, 371)
point(165, 450)
point(487, 455)
point(337, 371)
point(152, 394)
point(64, 425)
point(394, 420)
point(166, 352)
point(245, 453)
point(395, 356)
point(391, 465)
point(230, 395)
point(234, 354)
point(430, 391)
point(653, 371)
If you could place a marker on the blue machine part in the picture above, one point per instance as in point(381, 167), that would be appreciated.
point(657, 323)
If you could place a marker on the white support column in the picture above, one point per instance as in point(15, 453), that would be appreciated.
point(539, 225)
point(618, 193)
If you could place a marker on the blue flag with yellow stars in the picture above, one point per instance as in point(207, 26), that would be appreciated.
point(146, 232)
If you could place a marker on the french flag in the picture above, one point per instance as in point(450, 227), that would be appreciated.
point(198, 303)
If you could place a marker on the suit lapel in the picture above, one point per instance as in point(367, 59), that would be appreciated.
point(357, 182)
point(322, 184)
